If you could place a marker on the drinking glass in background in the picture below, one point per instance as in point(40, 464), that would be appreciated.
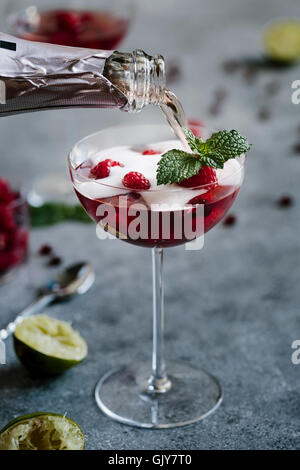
point(95, 24)
point(14, 229)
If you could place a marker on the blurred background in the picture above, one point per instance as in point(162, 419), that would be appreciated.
point(248, 307)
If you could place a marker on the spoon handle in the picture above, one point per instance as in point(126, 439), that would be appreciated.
point(34, 308)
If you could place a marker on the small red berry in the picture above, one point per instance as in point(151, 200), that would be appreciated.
point(229, 220)
point(150, 152)
point(206, 175)
point(6, 194)
point(102, 169)
point(7, 219)
point(285, 201)
point(87, 17)
point(135, 180)
point(54, 261)
point(297, 147)
point(45, 250)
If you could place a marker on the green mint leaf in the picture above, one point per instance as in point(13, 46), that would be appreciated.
point(213, 159)
point(229, 144)
point(177, 165)
point(191, 140)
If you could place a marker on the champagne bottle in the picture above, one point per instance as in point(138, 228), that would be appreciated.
point(37, 76)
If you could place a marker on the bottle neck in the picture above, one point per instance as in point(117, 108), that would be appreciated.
point(139, 76)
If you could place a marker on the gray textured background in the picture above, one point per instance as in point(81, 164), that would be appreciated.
point(233, 307)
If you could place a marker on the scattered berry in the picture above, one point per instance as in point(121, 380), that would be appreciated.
point(285, 201)
point(297, 148)
point(221, 94)
point(102, 169)
point(264, 114)
point(150, 152)
point(54, 261)
point(135, 180)
point(45, 250)
point(272, 88)
point(250, 73)
point(229, 220)
point(231, 66)
point(206, 175)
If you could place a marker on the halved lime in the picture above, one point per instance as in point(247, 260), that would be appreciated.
point(42, 431)
point(282, 40)
point(47, 346)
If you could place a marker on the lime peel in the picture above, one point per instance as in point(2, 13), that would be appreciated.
point(42, 431)
point(48, 346)
point(282, 40)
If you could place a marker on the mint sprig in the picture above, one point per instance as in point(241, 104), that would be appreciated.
point(178, 165)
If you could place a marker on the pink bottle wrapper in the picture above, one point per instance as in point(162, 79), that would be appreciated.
point(36, 76)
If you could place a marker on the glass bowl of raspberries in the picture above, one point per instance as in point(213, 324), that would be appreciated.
point(14, 229)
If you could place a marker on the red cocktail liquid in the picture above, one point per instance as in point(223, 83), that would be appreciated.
point(217, 201)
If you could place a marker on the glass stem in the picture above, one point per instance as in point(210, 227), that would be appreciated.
point(158, 381)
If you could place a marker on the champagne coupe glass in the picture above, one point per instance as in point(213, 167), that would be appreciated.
point(140, 394)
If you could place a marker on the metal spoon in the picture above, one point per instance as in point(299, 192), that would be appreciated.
point(76, 279)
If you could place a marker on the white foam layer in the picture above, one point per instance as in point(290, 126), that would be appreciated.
point(133, 160)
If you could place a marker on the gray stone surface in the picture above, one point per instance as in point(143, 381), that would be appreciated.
point(233, 307)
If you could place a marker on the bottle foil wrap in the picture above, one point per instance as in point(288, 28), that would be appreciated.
point(36, 76)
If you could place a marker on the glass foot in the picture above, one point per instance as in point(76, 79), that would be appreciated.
point(123, 396)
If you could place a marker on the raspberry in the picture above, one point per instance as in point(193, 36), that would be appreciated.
point(9, 259)
point(87, 17)
point(7, 221)
point(64, 38)
point(150, 152)
point(102, 169)
point(6, 194)
point(68, 21)
point(205, 176)
point(135, 180)
point(4, 241)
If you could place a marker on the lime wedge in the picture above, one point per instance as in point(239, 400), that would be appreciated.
point(47, 346)
point(282, 40)
point(42, 431)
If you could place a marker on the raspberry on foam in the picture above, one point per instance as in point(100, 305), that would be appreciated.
point(136, 180)
point(102, 169)
point(150, 152)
